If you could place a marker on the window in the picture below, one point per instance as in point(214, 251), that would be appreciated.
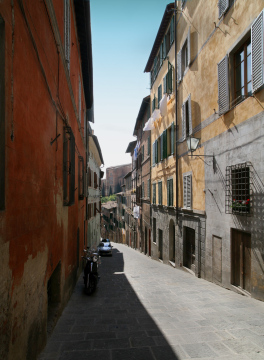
point(143, 189)
point(159, 95)
point(68, 166)
point(149, 188)
point(168, 80)
point(80, 101)
point(186, 118)
point(67, 31)
point(184, 56)
point(94, 209)
point(160, 192)
point(143, 153)
point(81, 177)
point(149, 145)
point(154, 103)
point(95, 180)
point(187, 191)
point(154, 194)
point(2, 114)
point(238, 185)
point(247, 66)
point(242, 66)
point(170, 192)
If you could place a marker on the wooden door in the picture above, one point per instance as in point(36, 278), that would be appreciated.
point(241, 259)
point(189, 247)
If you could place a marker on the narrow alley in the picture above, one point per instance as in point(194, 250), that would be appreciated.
point(146, 310)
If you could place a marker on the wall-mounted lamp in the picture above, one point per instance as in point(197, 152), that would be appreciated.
point(192, 144)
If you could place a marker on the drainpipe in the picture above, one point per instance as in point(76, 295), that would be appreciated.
point(176, 112)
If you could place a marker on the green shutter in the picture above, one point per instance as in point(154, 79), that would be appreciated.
point(156, 151)
point(165, 144)
point(165, 84)
point(153, 153)
point(161, 147)
point(172, 30)
point(172, 138)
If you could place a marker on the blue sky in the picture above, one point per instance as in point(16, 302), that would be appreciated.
point(123, 33)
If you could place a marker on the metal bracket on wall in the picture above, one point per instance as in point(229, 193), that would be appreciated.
point(52, 140)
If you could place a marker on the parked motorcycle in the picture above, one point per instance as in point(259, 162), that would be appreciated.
point(91, 276)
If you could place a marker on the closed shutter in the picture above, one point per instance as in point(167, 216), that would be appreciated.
point(223, 86)
point(168, 192)
point(165, 144)
point(148, 188)
point(189, 46)
point(164, 48)
point(143, 190)
point(179, 65)
point(187, 191)
point(183, 122)
point(161, 54)
point(161, 146)
point(165, 85)
point(149, 145)
point(160, 192)
point(257, 29)
point(169, 79)
point(159, 95)
point(156, 151)
point(223, 6)
point(171, 192)
point(172, 30)
point(143, 153)
point(190, 114)
point(153, 153)
point(172, 138)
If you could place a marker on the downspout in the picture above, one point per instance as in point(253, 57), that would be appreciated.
point(176, 112)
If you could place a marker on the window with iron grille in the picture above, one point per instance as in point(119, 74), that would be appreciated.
point(160, 192)
point(81, 177)
point(68, 166)
point(238, 189)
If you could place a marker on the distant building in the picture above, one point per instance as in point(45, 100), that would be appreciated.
point(114, 179)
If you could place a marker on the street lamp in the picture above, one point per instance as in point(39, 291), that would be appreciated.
point(192, 144)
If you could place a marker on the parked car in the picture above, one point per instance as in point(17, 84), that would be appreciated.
point(105, 247)
point(105, 240)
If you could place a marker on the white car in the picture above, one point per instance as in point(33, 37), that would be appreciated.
point(105, 247)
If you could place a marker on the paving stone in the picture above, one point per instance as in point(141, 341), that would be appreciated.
point(154, 312)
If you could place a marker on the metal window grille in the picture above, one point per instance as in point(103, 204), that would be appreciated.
point(238, 189)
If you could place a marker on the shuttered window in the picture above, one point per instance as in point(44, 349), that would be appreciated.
point(143, 189)
point(68, 166)
point(186, 118)
point(149, 145)
point(172, 138)
point(160, 192)
point(161, 140)
point(81, 177)
point(223, 86)
point(154, 194)
point(170, 192)
point(222, 6)
point(172, 30)
point(153, 103)
point(257, 30)
point(184, 56)
point(148, 188)
point(187, 191)
point(165, 144)
point(143, 153)
point(153, 153)
point(67, 31)
point(159, 95)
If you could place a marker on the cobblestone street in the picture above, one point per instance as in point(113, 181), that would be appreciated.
point(145, 310)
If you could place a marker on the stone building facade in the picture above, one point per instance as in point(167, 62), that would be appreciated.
point(114, 178)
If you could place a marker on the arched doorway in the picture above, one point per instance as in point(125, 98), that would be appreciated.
point(172, 241)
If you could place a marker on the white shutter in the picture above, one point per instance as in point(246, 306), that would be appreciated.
point(187, 191)
point(179, 65)
point(189, 46)
point(189, 104)
point(223, 86)
point(183, 122)
point(257, 52)
point(223, 5)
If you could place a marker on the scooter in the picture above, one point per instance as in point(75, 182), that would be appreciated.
point(91, 276)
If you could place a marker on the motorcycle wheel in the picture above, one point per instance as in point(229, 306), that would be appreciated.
point(90, 285)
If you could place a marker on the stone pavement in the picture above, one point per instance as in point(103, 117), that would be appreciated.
point(145, 310)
